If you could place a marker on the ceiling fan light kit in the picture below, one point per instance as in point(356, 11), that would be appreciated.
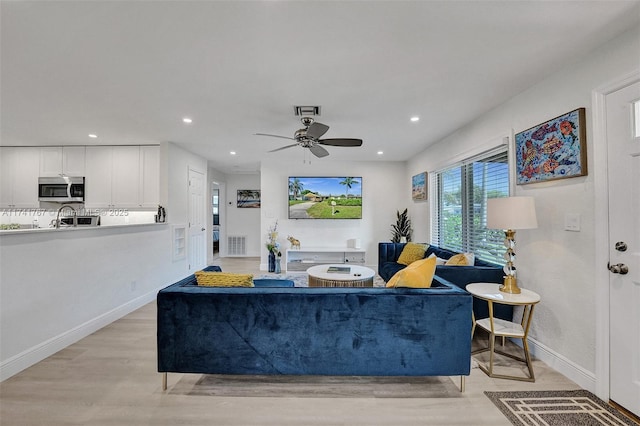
point(309, 137)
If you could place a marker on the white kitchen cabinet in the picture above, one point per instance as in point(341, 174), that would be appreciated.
point(62, 161)
point(125, 189)
point(98, 176)
point(50, 161)
point(122, 177)
point(19, 168)
point(73, 160)
point(149, 176)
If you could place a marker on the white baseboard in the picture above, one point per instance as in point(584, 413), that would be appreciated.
point(583, 378)
point(37, 353)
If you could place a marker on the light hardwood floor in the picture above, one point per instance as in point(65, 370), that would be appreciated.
point(110, 378)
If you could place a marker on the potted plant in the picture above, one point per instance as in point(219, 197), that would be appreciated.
point(401, 231)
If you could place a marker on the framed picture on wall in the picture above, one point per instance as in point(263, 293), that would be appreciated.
point(555, 149)
point(248, 198)
point(419, 187)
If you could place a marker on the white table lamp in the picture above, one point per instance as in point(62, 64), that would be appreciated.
point(509, 214)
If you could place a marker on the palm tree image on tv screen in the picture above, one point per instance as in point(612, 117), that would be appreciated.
point(325, 197)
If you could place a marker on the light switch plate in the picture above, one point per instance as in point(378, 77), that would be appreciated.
point(572, 222)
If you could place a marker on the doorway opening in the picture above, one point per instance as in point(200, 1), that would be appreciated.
point(215, 208)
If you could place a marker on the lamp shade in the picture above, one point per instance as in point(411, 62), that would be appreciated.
point(511, 213)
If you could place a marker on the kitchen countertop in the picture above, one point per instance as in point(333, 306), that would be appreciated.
point(73, 229)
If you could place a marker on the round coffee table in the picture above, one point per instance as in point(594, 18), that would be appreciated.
point(340, 275)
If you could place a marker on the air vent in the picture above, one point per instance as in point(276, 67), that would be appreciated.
point(306, 111)
point(237, 245)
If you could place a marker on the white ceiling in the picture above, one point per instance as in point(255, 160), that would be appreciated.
point(129, 71)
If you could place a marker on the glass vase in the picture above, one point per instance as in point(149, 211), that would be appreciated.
point(272, 262)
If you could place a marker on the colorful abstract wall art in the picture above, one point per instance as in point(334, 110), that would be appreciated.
point(552, 150)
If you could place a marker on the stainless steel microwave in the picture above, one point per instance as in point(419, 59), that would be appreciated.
point(62, 189)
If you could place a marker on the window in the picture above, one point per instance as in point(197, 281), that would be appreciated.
point(636, 119)
point(460, 201)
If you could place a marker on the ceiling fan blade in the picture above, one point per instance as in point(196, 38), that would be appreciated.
point(274, 136)
point(318, 151)
point(341, 142)
point(315, 130)
point(284, 147)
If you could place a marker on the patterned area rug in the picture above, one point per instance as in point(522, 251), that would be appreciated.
point(562, 408)
point(316, 386)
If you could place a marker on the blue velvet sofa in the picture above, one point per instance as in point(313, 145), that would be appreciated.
point(314, 331)
point(481, 271)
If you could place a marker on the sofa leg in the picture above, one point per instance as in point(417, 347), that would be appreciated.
point(164, 381)
point(462, 383)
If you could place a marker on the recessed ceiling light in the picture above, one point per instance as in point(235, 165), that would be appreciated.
point(187, 120)
point(91, 135)
point(415, 118)
point(232, 152)
point(380, 152)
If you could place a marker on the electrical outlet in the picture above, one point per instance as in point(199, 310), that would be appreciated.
point(572, 222)
point(134, 285)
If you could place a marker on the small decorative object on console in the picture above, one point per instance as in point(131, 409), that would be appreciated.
point(295, 243)
point(277, 266)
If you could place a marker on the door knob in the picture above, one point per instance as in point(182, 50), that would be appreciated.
point(202, 229)
point(621, 246)
point(619, 268)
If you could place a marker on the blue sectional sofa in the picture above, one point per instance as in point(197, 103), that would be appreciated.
point(481, 271)
point(314, 331)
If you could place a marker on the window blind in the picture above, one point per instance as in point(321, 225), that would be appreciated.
point(460, 202)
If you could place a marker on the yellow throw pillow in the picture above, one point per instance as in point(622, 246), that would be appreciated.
point(412, 252)
point(417, 275)
point(462, 259)
point(223, 279)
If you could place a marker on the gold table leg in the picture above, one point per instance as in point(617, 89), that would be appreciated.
point(526, 323)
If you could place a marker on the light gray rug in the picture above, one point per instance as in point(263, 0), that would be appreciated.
point(561, 408)
point(316, 386)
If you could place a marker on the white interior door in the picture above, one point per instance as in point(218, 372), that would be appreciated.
point(623, 140)
point(197, 241)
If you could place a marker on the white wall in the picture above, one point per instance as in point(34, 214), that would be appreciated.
point(385, 189)
point(244, 221)
point(60, 286)
point(178, 163)
point(557, 264)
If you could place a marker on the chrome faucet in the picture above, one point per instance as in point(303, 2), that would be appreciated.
point(75, 215)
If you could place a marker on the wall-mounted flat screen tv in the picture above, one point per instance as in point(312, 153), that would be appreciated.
point(325, 197)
